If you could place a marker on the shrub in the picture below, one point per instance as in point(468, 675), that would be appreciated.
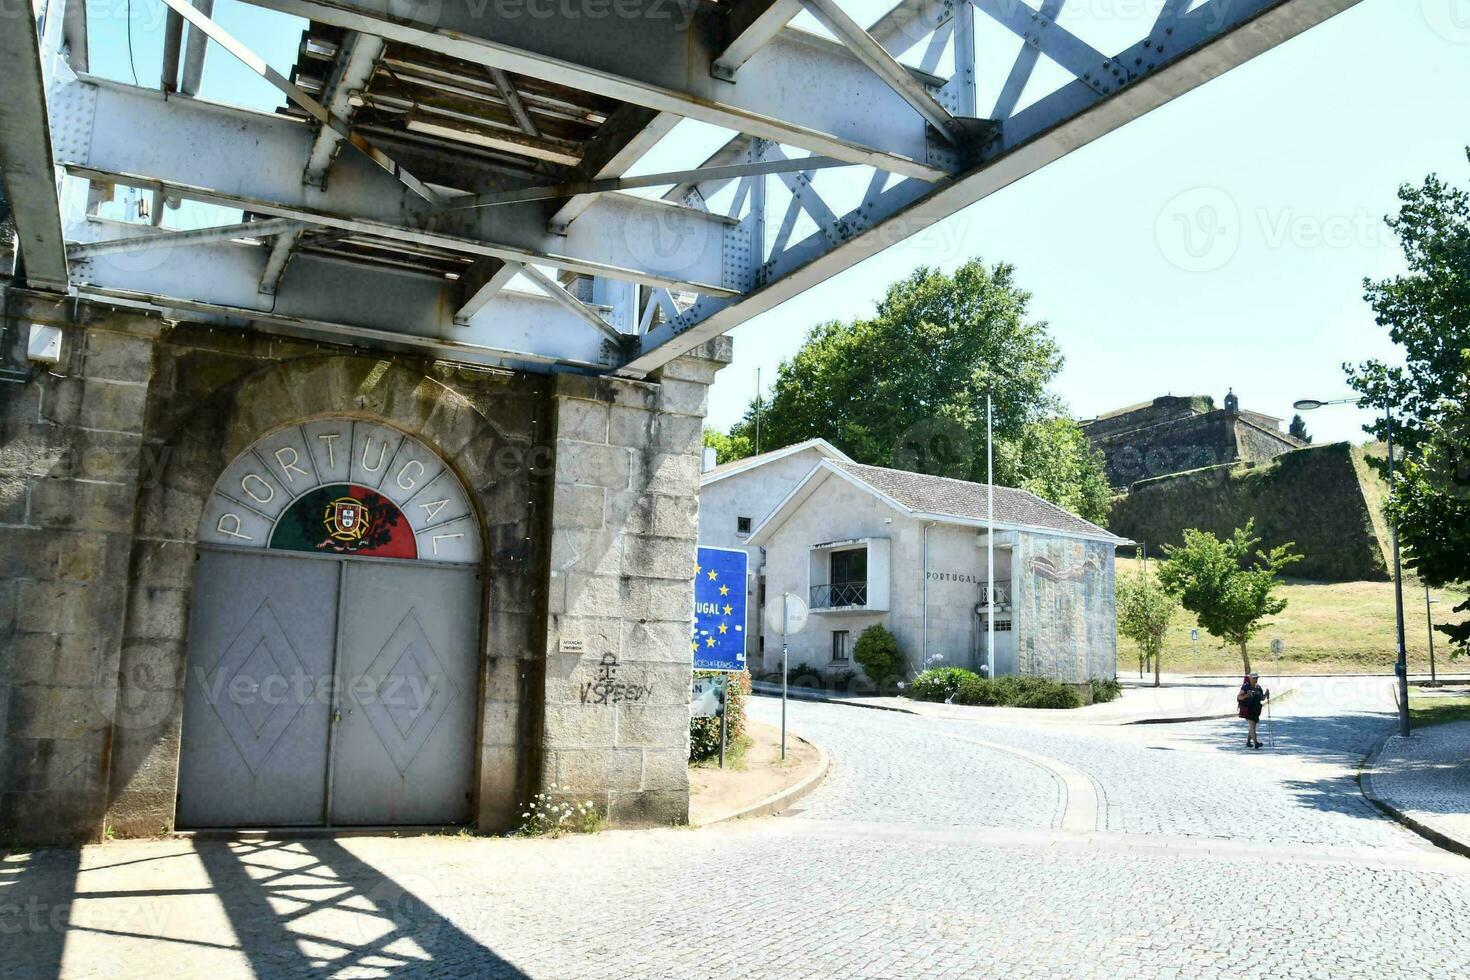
point(1104, 691)
point(976, 690)
point(704, 733)
point(804, 674)
point(938, 683)
point(877, 653)
point(1016, 692)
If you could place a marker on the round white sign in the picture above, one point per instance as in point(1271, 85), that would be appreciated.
point(786, 614)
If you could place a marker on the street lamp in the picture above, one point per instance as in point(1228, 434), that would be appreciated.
point(1401, 668)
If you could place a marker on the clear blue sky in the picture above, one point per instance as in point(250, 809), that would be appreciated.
point(1219, 241)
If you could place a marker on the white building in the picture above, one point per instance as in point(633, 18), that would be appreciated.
point(864, 545)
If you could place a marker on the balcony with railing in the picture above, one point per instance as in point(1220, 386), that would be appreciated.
point(848, 576)
point(1002, 595)
point(840, 595)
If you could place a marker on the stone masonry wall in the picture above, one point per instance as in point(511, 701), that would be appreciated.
point(625, 519)
point(1184, 444)
point(214, 393)
point(71, 459)
point(1066, 613)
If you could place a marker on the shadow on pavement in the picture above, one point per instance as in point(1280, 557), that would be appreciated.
point(312, 908)
point(299, 908)
point(37, 889)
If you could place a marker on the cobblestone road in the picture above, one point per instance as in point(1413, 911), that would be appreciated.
point(932, 851)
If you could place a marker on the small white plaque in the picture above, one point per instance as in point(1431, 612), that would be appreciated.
point(571, 644)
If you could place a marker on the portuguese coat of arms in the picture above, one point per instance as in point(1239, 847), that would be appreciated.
point(347, 520)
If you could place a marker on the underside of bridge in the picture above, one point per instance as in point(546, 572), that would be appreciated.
point(452, 176)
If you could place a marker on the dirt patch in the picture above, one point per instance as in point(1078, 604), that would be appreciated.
point(715, 792)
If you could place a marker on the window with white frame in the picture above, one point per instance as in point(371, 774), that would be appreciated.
point(839, 646)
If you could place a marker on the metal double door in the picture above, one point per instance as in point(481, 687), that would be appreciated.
point(328, 692)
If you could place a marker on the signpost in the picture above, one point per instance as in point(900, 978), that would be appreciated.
point(1194, 651)
point(718, 638)
point(1276, 647)
point(785, 616)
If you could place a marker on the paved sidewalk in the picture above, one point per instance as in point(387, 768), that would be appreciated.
point(1425, 781)
point(1179, 699)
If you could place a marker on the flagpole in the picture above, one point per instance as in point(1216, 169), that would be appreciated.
point(989, 545)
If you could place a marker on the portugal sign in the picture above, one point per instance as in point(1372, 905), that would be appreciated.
point(719, 609)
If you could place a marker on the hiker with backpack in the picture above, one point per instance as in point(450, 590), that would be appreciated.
point(1250, 699)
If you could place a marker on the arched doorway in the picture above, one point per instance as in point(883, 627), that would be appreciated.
point(333, 636)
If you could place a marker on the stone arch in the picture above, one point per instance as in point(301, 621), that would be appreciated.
point(487, 428)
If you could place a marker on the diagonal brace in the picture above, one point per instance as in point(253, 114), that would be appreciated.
point(559, 293)
point(884, 65)
point(293, 92)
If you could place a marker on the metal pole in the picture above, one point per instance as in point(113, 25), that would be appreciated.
point(1402, 666)
point(758, 420)
point(785, 670)
point(1429, 619)
point(989, 545)
point(724, 731)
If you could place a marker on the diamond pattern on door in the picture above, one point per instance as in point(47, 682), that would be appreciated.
point(258, 686)
point(410, 692)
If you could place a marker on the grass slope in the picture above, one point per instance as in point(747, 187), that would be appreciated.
point(1327, 628)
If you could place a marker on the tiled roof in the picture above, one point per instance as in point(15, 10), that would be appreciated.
point(822, 446)
point(940, 495)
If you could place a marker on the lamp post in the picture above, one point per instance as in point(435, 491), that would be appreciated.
point(1401, 667)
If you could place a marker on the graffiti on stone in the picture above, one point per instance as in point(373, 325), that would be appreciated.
point(607, 689)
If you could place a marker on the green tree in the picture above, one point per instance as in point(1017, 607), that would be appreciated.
point(1145, 610)
point(727, 448)
point(907, 387)
point(1229, 585)
point(1426, 311)
point(1055, 460)
point(1298, 428)
point(877, 653)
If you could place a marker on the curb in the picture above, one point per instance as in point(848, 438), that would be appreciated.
point(1366, 787)
point(1283, 696)
point(778, 801)
point(819, 699)
point(791, 695)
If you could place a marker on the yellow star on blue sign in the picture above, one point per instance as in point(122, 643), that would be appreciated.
point(719, 609)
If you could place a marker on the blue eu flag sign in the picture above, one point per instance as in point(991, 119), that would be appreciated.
point(719, 609)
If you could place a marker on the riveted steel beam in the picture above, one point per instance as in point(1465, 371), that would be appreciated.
point(357, 59)
point(25, 158)
point(798, 89)
point(1204, 43)
point(351, 303)
point(884, 65)
point(191, 150)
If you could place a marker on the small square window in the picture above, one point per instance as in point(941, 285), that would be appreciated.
point(839, 646)
point(742, 525)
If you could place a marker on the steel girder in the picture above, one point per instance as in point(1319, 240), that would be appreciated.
point(25, 157)
point(798, 89)
point(1184, 51)
point(192, 151)
point(330, 297)
point(702, 274)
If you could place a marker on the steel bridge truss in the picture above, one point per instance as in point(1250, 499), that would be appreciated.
point(453, 176)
